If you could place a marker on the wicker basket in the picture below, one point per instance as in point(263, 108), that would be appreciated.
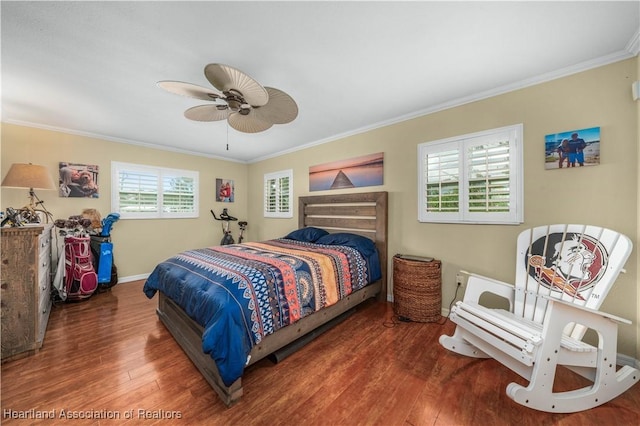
point(417, 289)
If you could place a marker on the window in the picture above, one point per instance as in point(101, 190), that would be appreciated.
point(475, 178)
point(147, 192)
point(278, 194)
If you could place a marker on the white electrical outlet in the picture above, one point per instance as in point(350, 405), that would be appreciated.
point(459, 280)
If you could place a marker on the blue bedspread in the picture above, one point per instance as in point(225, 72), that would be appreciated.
point(240, 293)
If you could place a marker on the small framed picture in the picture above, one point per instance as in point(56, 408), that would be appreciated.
point(573, 148)
point(78, 180)
point(224, 190)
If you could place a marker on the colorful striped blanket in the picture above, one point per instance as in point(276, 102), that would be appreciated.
point(241, 293)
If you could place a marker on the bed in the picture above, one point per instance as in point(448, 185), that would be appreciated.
point(343, 218)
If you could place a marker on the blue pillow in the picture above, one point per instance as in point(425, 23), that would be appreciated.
point(308, 234)
point(363, 244)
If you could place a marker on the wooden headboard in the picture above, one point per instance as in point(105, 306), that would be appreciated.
point(361, 213)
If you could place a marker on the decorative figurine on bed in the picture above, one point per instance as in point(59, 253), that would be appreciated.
point(225, 217)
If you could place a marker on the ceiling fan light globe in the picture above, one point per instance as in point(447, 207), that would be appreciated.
point(233, 104)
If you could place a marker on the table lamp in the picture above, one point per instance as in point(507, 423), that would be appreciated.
point(30, 176)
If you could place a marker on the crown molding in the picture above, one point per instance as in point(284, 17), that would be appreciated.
point(118, 140)
point(634, 44)
point(633, 47)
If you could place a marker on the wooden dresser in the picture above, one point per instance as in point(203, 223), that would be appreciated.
point(25, 289)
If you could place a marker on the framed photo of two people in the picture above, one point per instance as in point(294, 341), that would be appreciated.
point(573, 148)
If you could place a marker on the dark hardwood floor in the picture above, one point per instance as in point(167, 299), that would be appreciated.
point(111, 356)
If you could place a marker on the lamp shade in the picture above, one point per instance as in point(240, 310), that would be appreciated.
point(28, 176)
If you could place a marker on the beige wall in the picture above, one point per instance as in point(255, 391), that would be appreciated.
point(605, 195)
point(138, 244)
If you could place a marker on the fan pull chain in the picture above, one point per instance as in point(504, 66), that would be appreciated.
point(227, 136)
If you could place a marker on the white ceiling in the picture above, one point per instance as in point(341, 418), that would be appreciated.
point(90, 68)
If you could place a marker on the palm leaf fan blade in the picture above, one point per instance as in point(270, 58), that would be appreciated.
point(229, 79)
point(248, 123)
point(207, 113)
point(280, 109)
point(190, 90)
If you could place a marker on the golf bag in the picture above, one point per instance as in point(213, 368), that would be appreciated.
point(81, 279)
point(102, 250)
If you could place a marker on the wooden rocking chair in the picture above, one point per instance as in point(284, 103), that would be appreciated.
point(563, 274)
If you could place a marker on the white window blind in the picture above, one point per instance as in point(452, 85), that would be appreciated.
point(146, 192)
point(488, 166)
point(475, 178)
point(278, 194)
point(442, 181)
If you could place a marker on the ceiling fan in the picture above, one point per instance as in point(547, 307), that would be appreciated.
point(243, 102)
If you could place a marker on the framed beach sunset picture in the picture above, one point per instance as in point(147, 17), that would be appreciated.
point(367, 170)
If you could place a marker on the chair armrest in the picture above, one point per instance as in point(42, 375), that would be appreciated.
point(478, 284)
point(589, 310)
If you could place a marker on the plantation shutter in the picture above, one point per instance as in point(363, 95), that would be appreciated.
point(488, 171)
point(270, 197)
point(137, 192)
point(178, 194)
point(146, 192)
point(278, 188)
point(442, 181)
point(283, 192)
point(475, 178)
